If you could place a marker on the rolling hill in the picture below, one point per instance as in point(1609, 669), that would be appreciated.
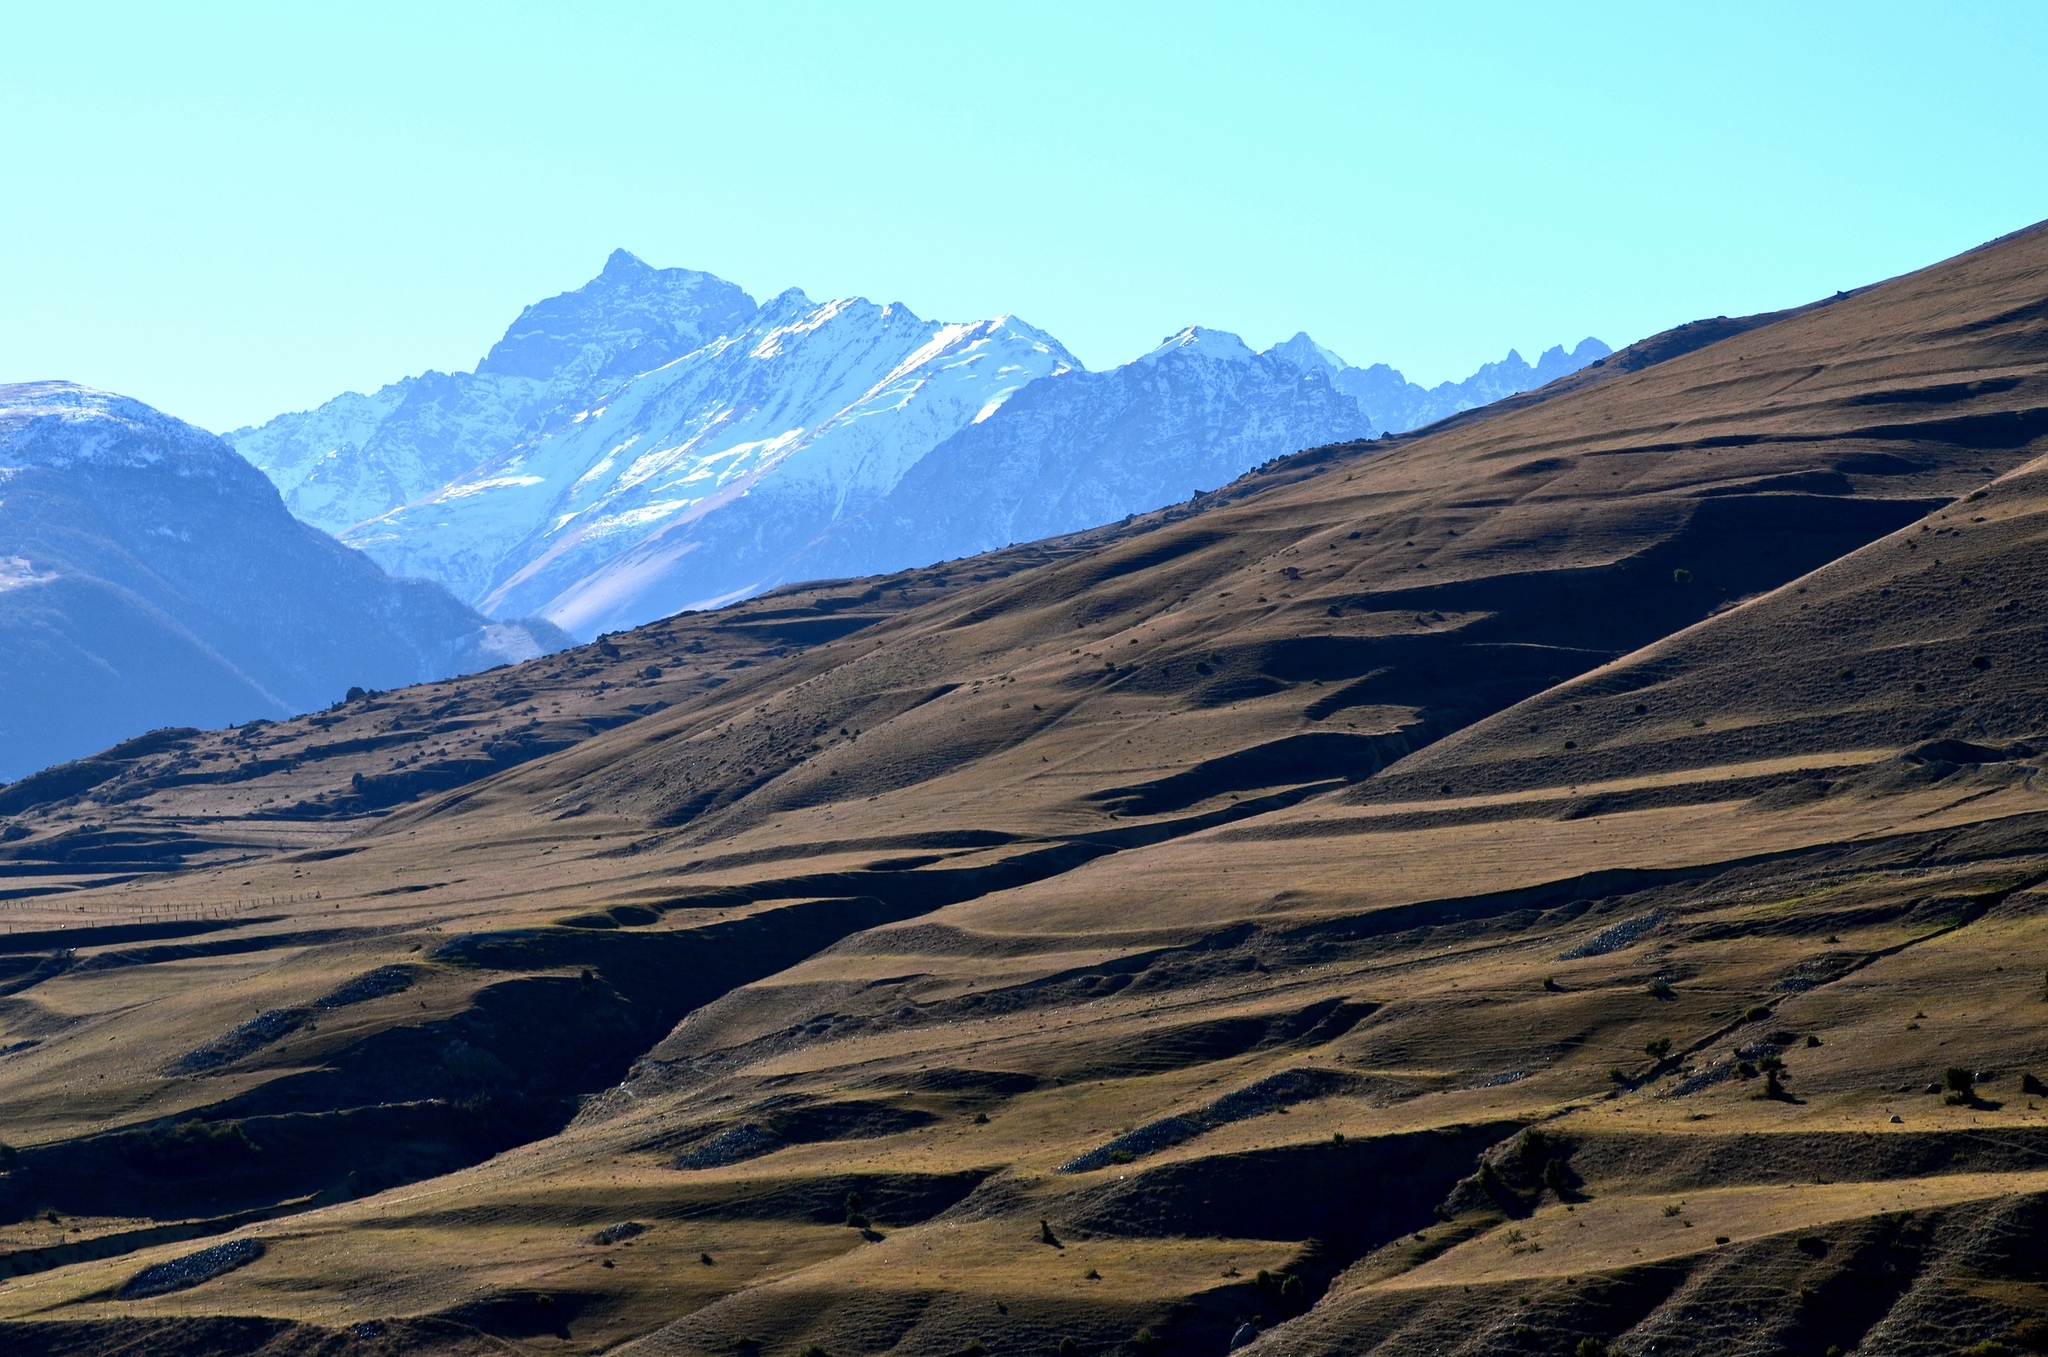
point(1570, 875)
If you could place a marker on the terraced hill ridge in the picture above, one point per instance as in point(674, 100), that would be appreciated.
point(1571, 876)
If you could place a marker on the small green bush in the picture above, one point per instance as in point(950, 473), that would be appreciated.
point(1590, 1347)
point(1757, 1013)
point(1657, 1049)
point(2031, 1333)
point(1956, 1079)
point(1554, 1176)
point(1121, 1156)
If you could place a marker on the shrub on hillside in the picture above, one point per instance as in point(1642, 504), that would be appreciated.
point(192, 1148)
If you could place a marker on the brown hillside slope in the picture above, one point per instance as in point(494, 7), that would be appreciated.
point(1119, 923)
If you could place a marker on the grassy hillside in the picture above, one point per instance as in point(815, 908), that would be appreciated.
point(1574, 873)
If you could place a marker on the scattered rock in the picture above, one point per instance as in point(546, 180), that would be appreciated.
point(192, 1269)
point(1613, 939)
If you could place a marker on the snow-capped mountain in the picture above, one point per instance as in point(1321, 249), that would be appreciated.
point(655, 441)
point(1085, 448)
point(357, 456)
point(692, 484)
point(150, 577)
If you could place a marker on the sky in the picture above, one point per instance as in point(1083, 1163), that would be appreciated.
point(231, 211)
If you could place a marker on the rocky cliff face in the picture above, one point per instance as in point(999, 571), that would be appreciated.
point(1087, 448)
point(1397, 404)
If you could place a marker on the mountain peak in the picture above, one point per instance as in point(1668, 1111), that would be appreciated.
point(629, 319)
point(64, 424)
point(623, 263)
point(1218, 344)
point(1305, 353)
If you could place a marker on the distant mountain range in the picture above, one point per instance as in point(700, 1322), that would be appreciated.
point(150, 577)
point(656, 441)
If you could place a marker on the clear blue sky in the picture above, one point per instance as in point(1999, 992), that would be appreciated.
point(230, 211)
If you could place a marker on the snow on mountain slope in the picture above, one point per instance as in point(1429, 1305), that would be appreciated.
point(151, 577)
point(654, 441)
point(1085, 448)
point(690, 484)
point(357, 456)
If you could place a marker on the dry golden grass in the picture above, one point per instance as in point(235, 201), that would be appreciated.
point(1023, 866)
